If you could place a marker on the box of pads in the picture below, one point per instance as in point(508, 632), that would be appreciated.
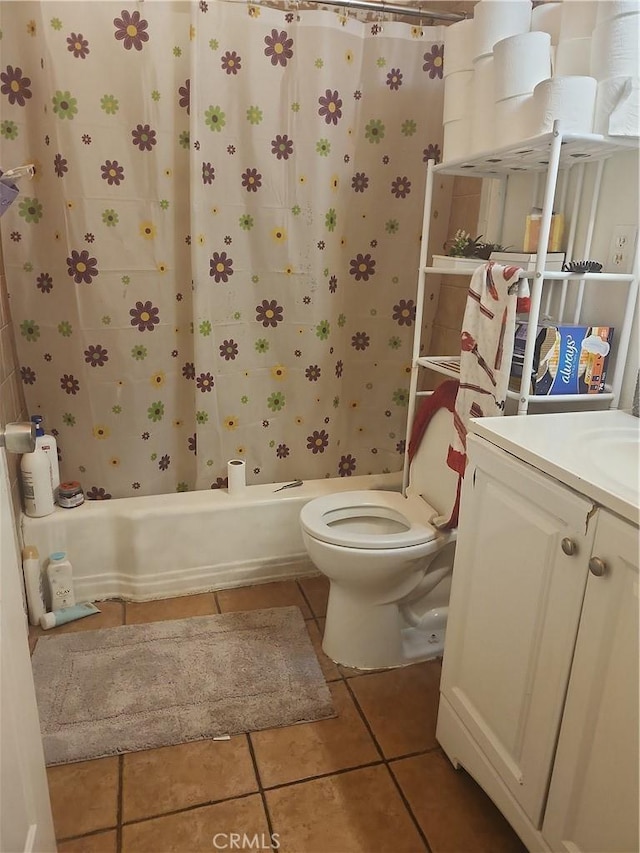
point(568, 359)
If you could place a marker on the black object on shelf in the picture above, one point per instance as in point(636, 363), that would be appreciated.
point(582, 266)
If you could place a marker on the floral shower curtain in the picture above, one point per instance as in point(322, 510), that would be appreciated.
point(218, 254)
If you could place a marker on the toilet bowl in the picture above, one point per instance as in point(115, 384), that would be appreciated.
point(389, 568)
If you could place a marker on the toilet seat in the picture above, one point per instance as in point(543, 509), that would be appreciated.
point(335, 519)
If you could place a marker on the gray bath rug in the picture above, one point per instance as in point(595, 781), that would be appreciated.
point(142, 686)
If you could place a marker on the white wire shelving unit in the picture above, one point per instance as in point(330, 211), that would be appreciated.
point(548, 157)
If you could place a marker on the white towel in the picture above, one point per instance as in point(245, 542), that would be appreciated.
point(488, 330)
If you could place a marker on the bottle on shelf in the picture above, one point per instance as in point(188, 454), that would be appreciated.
point(50, 446)
point(35, 478)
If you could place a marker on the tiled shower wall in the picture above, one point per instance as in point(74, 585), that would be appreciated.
point(12, 404)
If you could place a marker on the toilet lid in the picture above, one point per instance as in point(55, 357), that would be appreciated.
point(337, 518)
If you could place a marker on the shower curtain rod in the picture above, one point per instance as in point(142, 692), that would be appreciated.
point(392, 9)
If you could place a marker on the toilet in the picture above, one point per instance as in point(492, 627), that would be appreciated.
point(389, 569)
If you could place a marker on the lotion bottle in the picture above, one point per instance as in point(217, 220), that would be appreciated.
point(66, 614)
point(60, 578)
point(35, 476)
point(33, 582)
point(50, 446)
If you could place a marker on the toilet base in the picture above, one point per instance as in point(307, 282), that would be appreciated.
point(377, 637)
point(425, 642)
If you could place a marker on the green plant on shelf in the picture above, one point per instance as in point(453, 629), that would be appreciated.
point(463, 245)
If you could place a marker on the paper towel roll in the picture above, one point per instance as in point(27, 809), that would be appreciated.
point(520, 63)
point(515, 120)
point(615, 9)
point(458, 47)
point(546, 19)
point(458, 96)
point(568, 100)
point(618, 107)
point(573, 57)
point(457, 138)
point(482, 115)
point(495, 20)
point(236, 475)
point(577, 19)
point(614, 48)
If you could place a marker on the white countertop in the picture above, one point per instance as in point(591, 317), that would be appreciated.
point(595, 453)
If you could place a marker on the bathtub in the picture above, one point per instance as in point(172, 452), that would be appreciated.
point(166, 545)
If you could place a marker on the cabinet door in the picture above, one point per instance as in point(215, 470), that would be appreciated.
point(515, 606)
point(593, 799)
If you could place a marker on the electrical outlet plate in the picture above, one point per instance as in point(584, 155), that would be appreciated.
point(622, 248)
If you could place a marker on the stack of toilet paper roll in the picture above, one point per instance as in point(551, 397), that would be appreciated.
point(614, 64)
point(512, 71)
point(521, 62)
point(494, 20)
point(458, 89)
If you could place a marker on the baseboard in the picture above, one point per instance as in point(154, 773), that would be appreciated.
point(188, 581)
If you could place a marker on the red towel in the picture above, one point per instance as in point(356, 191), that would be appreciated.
point(444, 397)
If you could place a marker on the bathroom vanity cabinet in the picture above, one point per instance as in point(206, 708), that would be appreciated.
point(539, 692)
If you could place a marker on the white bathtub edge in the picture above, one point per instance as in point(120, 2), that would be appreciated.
point(152, 547)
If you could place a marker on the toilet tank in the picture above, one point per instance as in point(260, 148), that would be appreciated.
point(429, 475)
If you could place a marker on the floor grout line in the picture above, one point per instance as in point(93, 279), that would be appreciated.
point(305, 599)
point(263, 797)
point(407, 805)
point(386, 761)
point(120, 808)
point(190, 808)
point(363, 717)
point(327, 775)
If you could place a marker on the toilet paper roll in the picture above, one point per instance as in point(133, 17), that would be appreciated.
point(458, 47)
point(608, 9)
point(573, 57)
point(495, 20)
point(520, 63)
point(568, 100)
point(515, 119)
point(577, 19)
point(457, 137)
point(458, 96)
point(482, 115)
point(546, 19)
point(614, 48)
point(236, 475)
point(618, 107)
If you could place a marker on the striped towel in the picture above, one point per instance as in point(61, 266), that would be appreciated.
point(488, 331)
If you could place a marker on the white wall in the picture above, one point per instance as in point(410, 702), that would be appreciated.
point(619, 204)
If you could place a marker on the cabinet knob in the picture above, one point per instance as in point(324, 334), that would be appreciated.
point(569, 546)
point(597, 567)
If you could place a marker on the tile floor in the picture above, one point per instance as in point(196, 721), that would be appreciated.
point(373, 779)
